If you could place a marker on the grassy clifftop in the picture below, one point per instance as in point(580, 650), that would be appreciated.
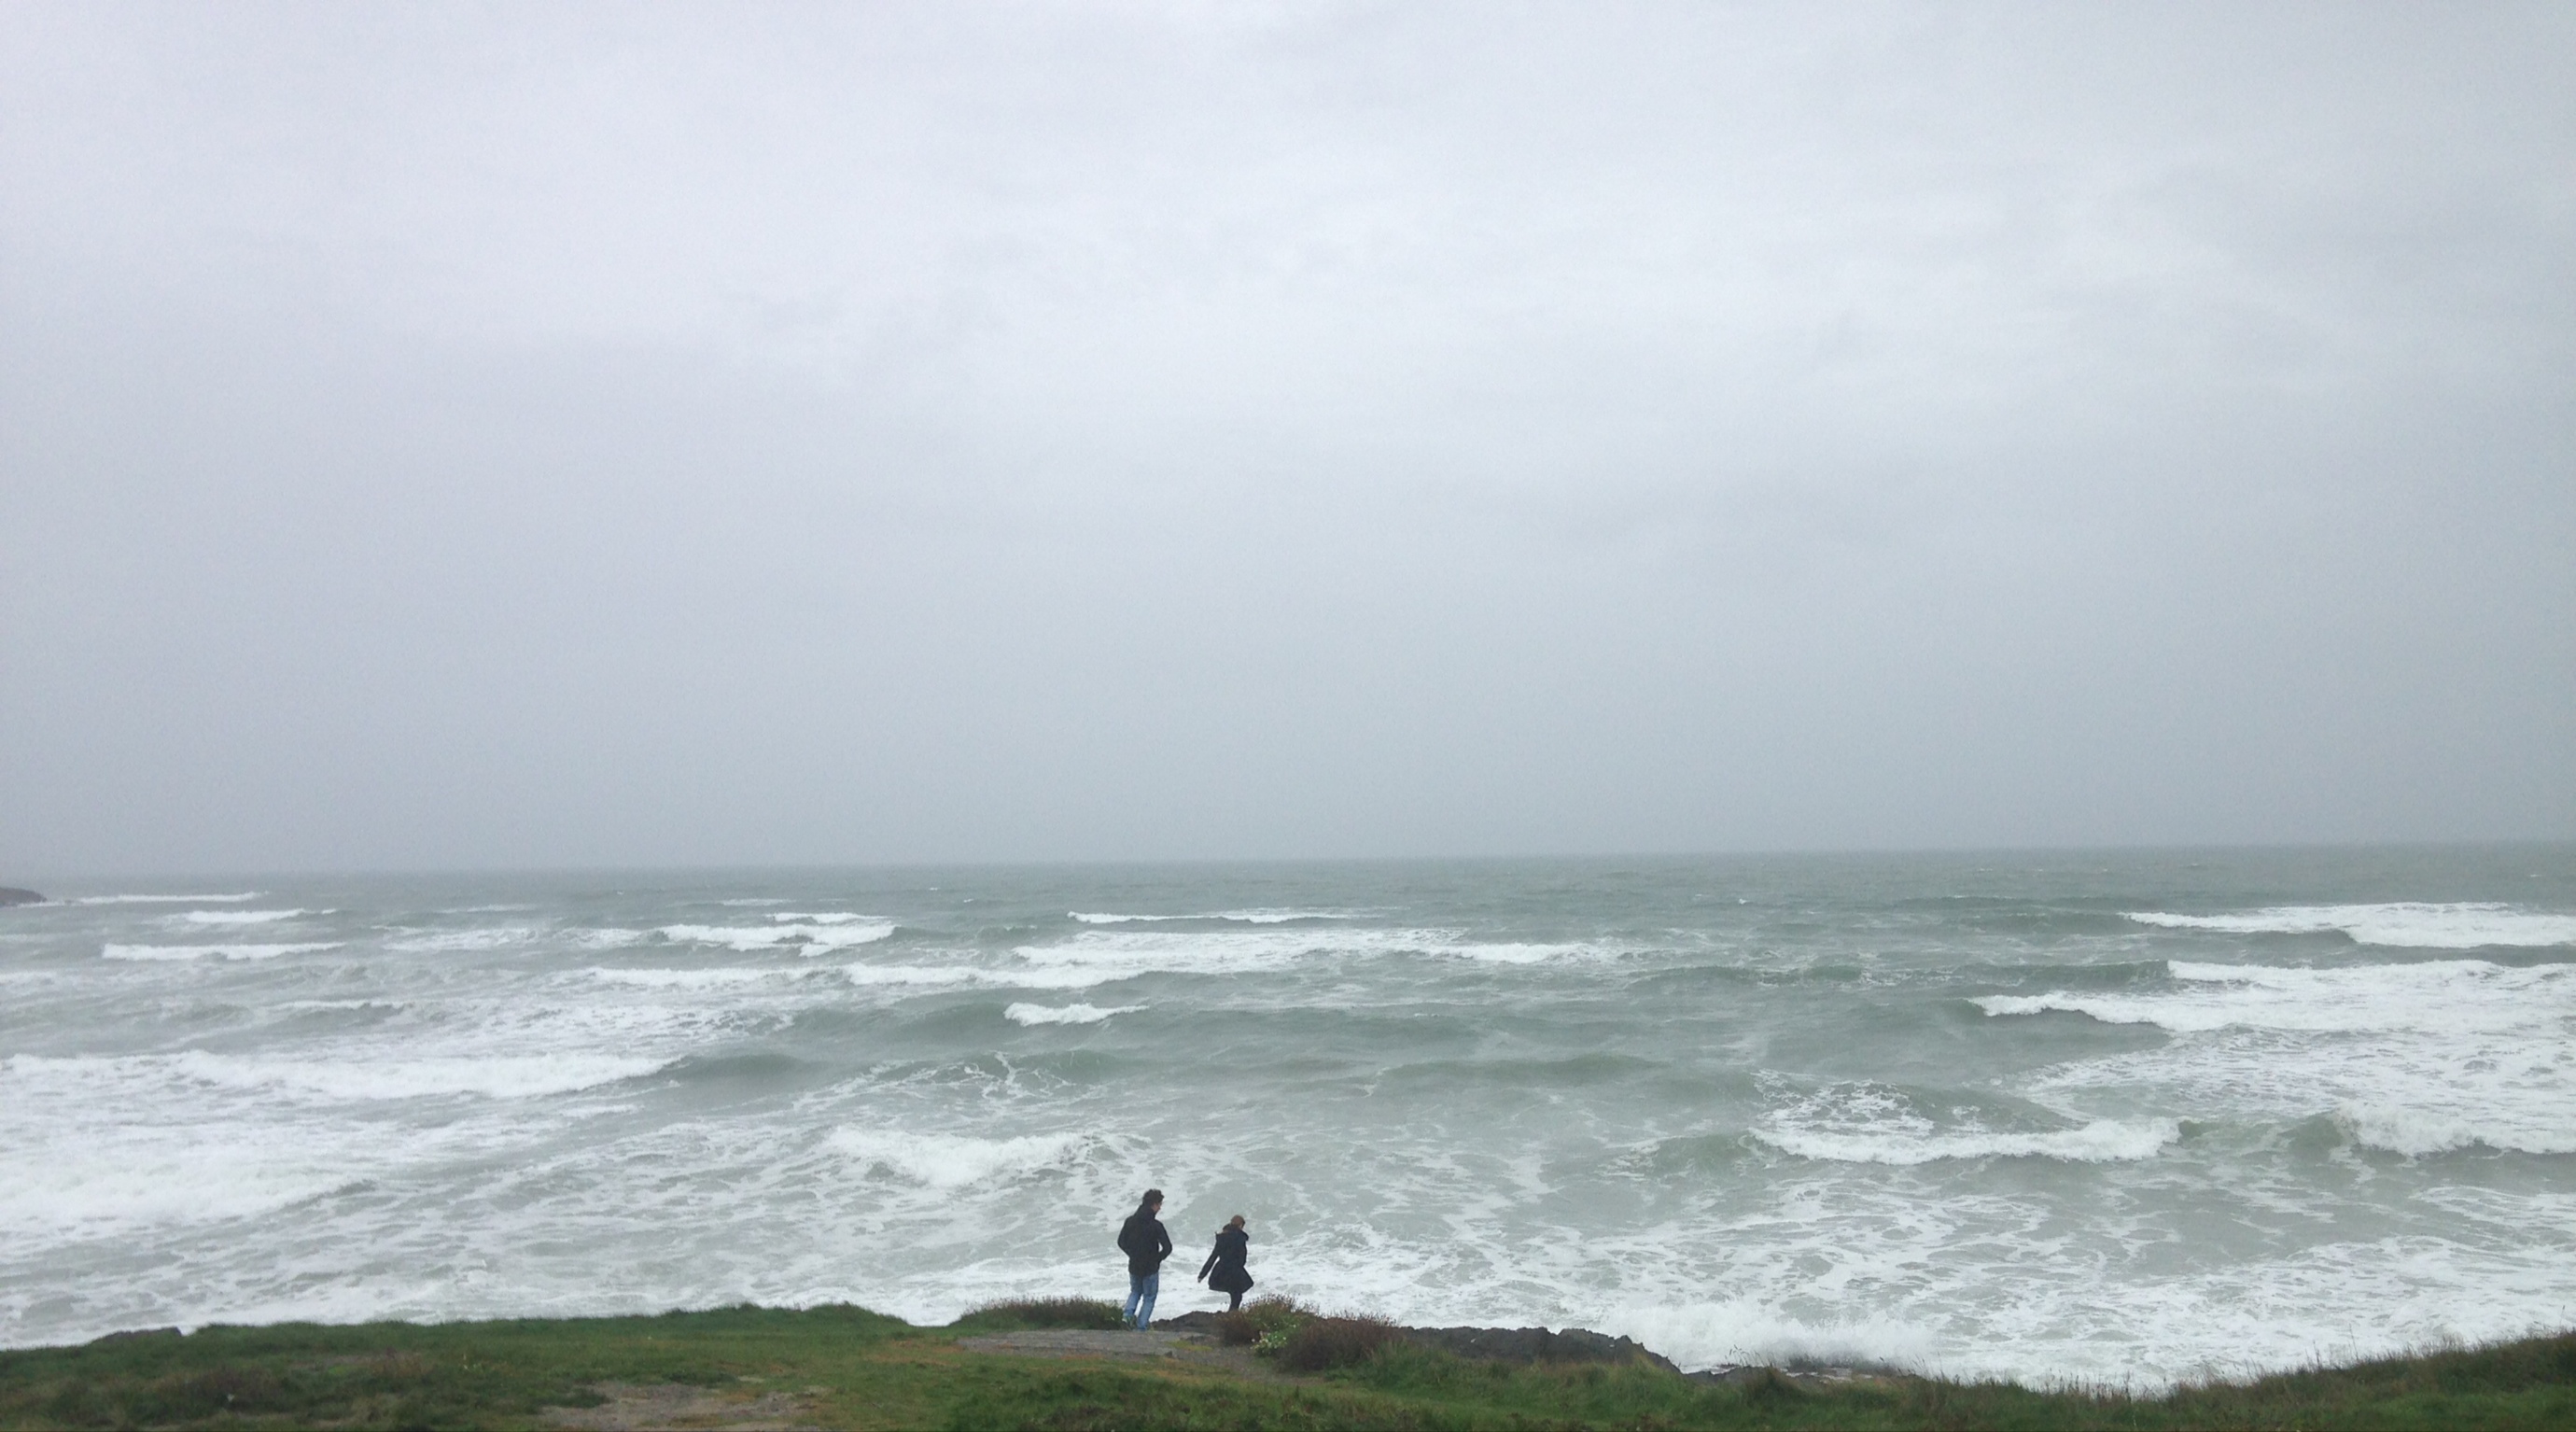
point(847, 1367)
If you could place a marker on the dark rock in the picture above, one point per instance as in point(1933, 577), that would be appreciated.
point(9, 896)
point(1536, 1345)
point(1199, 1322)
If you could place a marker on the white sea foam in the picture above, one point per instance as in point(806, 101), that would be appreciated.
point(1507, 953)
point(2102, 1141)
point(2414, 1058)
point(2456, 926)
point(213, 952)
point(1246, 917)
point(1100, 956)
point(2455, 996)
point(242, 917)
point(521, 1076)
point(950, 1160)
point(915, 975)
point(110, 1181)
point(1741, 1332)
point(807, 936)
point(1034, 1014)
point(700, 979)
point(825, 917)
point(488, 937)
point(163, 899)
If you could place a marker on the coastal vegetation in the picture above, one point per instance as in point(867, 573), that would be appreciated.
point(848, 1367)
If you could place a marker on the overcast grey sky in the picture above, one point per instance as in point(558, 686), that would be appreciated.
point(539, 435)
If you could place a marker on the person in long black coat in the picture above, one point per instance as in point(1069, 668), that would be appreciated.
point(1223, 1269)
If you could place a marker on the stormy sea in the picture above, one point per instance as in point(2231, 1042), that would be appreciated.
point(2118, 1117)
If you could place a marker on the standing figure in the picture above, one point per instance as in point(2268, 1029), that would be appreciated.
point(1225, 1262)
point(1146, 1245)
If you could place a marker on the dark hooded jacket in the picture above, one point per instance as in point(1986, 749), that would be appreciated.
point(1144, 1242)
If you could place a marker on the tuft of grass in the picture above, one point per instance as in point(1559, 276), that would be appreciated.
point(1270, 1316)
point(1014, 1313)
point(1323, 1344)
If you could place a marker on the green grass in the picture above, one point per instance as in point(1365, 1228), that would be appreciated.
point(847, 1367)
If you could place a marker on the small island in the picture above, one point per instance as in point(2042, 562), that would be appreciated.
point(11, 895)
point(1064, 1363)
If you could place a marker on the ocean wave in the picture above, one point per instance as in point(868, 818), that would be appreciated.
point(1504, 952)
point(205, 952)
point(522, 1076)
point(242, 917)
point(2444, 995)
point(1245, 917)
point(2419, 1133)
point(810, 937)
point(1699, 1336)
point(2102, 1141)
point(917, 975)
point(699, 979)
point(2464, 925)
point(1100, 956)
point(950, 1160)
point(1034, 1014)
point(163, 899)
point(488, 937)
point(111, 1182)
point(1863, 1121)
point(497, 1076)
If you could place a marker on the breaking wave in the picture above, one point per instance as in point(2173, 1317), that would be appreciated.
point(213, 952)
point(2456, 926)
point(950, 1160)
point(1033, 1014)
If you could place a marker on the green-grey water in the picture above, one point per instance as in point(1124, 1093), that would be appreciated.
point(2115, 1116)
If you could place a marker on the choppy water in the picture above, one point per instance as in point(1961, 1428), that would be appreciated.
point(2114, 1117)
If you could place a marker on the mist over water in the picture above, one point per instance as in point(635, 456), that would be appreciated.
point(2096, 1116)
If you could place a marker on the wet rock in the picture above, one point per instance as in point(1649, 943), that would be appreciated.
point(10, 895)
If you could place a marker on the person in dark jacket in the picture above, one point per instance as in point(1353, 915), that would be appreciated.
point(1225, 1262)
point(1146, 1245)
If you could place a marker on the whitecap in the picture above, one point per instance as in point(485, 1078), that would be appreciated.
point(489, 1076)
point(1035, 1014)
point(203, 952)
point(1699, 1336)
point(2102, 1141)
point(2464, 925)
point(810, 937)
point(164, 899)
point(695, 979)
point(243, 917)
point(1263, 916)
point(2445, 995)
point(950, 1160)
point(914, 974)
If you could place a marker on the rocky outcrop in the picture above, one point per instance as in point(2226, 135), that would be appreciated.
point(1492, 1344)
point(9, 896)
point(1536, 1345)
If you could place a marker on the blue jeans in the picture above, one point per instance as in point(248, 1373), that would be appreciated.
point(1141, 1288)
